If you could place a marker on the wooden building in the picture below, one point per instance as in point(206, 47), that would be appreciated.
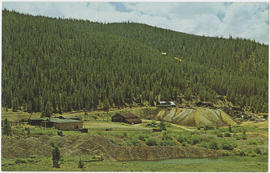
point(126, 118)
point(36, 122)
point(66, 124)
point(58, 123)
point(166, 104)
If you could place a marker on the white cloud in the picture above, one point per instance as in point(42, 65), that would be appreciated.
point(248, 20)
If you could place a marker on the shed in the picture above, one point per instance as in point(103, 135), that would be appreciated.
point(65, 117)
point(46, 123)
point(66, 124)
point(164, 53)
point(126, 118)
point(172, 104)
point(166, 104)
point(36, 122)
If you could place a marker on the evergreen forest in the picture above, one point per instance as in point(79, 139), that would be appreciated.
point(55, 65)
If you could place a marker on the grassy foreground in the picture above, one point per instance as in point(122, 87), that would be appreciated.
point(230, 164)
point(243, 149)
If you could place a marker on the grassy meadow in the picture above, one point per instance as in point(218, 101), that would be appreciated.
point(223, 164)
point(178, 148)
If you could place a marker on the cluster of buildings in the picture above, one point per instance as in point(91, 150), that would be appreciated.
point(61, 123)
point(75, 123)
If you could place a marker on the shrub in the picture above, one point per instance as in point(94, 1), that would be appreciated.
point(199, 127)
point(195, 139)
point(244, 137)
point(108, 129)
point(166, 137)
point(227, 135)
point(258, 151)
point(162, 125)
point(80, 164)
point(152, 124)
point(214, 145)
point(182, 138)
point(142, 137)
point(228, 145)
point(204, 145)
point(220, 135)
point(112, 140)
point(167, 124)
point(125, 135)
point(167, 143)
point(151, 142)
point(184, 143)
point(18, 161)
point(241, 152)
point(135, 142)
point(255, 142)
point(225, 153)
point(208, 127)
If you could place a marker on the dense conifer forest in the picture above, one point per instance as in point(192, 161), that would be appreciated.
point(58, 65)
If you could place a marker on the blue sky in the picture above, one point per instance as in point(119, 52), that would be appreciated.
point(242, 19)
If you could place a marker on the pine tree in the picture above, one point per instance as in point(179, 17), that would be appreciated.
point(6, 129)
point(56, 157)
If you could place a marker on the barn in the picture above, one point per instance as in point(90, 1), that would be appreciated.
point(66, 124)
point(36, 122)
point(126, 118)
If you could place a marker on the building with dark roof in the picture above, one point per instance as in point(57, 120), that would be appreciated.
point(58, 123)
point(126, 118)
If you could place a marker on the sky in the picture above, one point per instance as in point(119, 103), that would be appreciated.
point(237, 19)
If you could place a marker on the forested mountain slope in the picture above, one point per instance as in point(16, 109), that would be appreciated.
point(58, 65)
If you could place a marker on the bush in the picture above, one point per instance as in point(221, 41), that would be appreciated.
point(167, 143)
point(142, 137)
point(166, 137)
point(228, 145)
point(108, 129)
point(18, 161)
point(241, 152)
point(80, 164)
point(195, 139)
point(152, 124)
point(255, 142)
point(135, 142)
point(151, 142)
point(225, 153)
point(220, 135)
point(258, 151)
point(214, 145)
point(204, 144)
point(227, 135)
point(125, 135)
point(184, 143)
point(182, 138)
point(244, 137)
point(208, 127)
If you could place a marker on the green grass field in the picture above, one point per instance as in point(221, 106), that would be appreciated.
point(223, 164)
point(243, 149)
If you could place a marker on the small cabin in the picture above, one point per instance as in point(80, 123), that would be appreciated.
point(166, 104)
point(126, 118)
point(67, 124)
point(35, 122)
point(164, 53)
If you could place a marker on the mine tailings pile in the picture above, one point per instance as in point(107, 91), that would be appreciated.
point(195, 117)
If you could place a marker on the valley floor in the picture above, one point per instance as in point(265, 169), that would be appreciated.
point(222, 164)
point(126, 147)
